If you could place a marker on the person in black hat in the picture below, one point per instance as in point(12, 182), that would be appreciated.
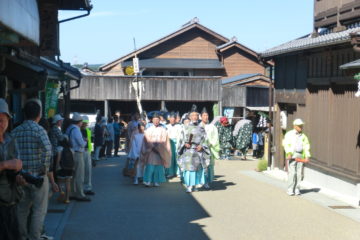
point(174, 130)
point(178, 117)
point(194, 153)
point(156, 153)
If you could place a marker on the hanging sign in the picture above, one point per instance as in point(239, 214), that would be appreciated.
point(51, 98)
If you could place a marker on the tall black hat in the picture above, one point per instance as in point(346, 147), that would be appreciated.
point(172, 114)
point(156, 115)
point(204, 110)
point(194, 109)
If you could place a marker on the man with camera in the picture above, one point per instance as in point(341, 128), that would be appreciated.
point(35, 153)
point(10, 192)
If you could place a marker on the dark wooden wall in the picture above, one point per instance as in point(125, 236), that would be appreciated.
point(257, 96)
point(333, 116)
point(327, 105)
point(234, 96)
point(156, 88)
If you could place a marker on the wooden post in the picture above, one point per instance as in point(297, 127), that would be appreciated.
point(106, 108)
point(270, 118)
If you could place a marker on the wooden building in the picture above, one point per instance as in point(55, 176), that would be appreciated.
point(29, 53)
point(182, 68)
point(309, 84)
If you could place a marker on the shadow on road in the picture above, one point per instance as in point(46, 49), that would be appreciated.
point(121, 210)
point(305, 191)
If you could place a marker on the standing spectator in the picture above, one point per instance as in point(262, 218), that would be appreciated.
point(35, 152)
point(109, 140)
point(99, 138)
point(255, 143)
point(9, 164)
point(86, 134)
point(117, 133)
point(78, 144)
point(260, 152)
point(297, 150)
point(103, 124)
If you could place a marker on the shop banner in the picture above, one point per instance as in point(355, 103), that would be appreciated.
point(51, 98)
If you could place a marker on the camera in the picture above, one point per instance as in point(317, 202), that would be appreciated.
point(37, 181)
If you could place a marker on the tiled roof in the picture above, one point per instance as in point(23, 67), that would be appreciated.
point(308, 42)
point(239, 77)
point(177, 63)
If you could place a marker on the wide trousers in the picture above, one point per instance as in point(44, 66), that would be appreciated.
point(35, 200)
point(77, 182)
point(294, 176)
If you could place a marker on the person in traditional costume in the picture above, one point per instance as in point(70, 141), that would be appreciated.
point(212, 140)
point(225, 138)
point(194, 153)
point(156, 153)
point(135, 152)
point(174, 131)
point(178, 118)
point(243, 137)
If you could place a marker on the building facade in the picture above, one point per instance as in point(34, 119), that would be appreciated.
point(310, 84)
point(185, 67)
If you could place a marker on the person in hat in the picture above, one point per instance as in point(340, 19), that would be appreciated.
point(174, 130)
point(78, 144)
point(194, 153)
point(35, 153)
point(9, 164)
point(225, 138)
point(132, 128)
point(178, 118)
point(212, 140)
point(156, 153)
point(243, 136)
point(86, 134)
point(297, 150)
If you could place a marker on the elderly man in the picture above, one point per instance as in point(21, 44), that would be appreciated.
point(297, 150)
point(212, 139)
point(194, 153)
point(78, 146)
point(35, 153)
point(9, 164)
point(156, 153)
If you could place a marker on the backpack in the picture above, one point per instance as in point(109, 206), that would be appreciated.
point(67, 158)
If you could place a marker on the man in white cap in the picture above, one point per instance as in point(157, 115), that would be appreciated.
point(78, 144)
point(297, 149)
point(35, 153)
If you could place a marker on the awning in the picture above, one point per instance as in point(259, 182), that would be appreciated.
point(21, 17)
point(351, 65)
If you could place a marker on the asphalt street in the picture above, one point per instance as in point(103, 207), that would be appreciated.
point(242, 204)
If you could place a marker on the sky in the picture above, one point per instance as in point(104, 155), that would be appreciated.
point(108, 32)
